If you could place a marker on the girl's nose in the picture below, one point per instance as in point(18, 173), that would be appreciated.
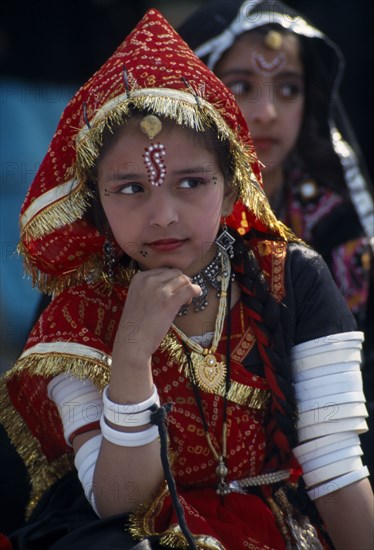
point(263, 110)
point(162, 208)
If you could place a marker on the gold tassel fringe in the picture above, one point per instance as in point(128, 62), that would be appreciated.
point(42, 473)
point(50, 365)
point(62, 212)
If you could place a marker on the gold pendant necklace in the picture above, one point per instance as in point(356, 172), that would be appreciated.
point(221, 470)
point(210, 373)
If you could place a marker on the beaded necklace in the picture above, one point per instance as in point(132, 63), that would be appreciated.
point(208, 374)
point(221, 470)
point(210, 275)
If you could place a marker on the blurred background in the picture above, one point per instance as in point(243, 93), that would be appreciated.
point(49, 48)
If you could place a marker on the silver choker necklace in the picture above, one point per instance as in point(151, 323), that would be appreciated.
point(211, 275)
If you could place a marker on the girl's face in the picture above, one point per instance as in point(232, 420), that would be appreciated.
point(269, 88)
point(175, 223)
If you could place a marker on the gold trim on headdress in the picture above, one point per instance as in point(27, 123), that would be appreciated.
point(184, 110)
point(67, 203)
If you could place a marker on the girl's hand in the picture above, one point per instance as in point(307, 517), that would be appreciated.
point(153, 301)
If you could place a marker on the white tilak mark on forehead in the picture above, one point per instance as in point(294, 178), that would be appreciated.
point(267, 68)
point(154, 163)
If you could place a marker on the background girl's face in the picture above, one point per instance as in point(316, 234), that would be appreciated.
point(269, 88)
point(172, 224)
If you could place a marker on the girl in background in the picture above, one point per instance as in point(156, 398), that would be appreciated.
point(285, 76)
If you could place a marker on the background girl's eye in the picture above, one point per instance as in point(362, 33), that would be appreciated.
point(289, 91)
point(243, 89)
point(238, 88)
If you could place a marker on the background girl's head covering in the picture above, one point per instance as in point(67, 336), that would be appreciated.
point(225, 21)
point(155, 71)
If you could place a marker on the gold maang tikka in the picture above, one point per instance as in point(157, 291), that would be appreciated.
point(151, 126)
point(273, 40)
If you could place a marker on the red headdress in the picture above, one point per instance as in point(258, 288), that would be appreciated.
point(152, 70)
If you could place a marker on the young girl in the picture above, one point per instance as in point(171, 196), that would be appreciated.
point(285, 75)
point(184, 378)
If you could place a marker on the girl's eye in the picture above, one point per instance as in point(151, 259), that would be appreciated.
point(191, 183)
point(240, 88)
point(131, 189)
point(290, 91)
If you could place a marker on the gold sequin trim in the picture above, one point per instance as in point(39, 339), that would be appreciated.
point(142, 526)
point(91, 271)
point(42, 473)
point(51, 364)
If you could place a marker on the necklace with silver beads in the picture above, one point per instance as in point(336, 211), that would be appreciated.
point(211, 275)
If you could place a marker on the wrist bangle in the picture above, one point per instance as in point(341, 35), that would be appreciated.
point(135, 407)
point(129, 414)
point(128, 439)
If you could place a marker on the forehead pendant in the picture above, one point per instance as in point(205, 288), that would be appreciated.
point(151, 125)
point(273, 41)
point(153, 155)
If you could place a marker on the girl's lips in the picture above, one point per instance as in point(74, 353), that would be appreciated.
point(262, 144)
point(166, 245)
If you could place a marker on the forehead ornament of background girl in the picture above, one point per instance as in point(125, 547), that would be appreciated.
point(155, 164)
point(273, 40)
point(268, 68)
point(253, 14)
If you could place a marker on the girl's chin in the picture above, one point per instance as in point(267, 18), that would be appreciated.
point(178, 259)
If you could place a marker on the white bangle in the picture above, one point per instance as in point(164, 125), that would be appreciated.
point(329, 458)
point(331, 413)
point(328, 400)
point(85, 462)
point(325, 445)
point(130, 414)
point(330, 341)
point(323, 385)
point(328, 472)
point(338, 483)
point(136, 407)
point(357, 424)
point(78, 401)
point(128, 439)
point(327, 357)
point(324, 370)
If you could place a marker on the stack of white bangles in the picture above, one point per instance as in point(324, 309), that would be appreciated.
point(331, 411)
point(129, 416)
point(80, 404)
